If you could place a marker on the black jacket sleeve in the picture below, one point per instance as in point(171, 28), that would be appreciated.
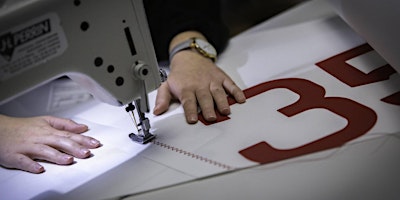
point(167, 18)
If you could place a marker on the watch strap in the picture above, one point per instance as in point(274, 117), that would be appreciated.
point(188, 44)
point(180, 47)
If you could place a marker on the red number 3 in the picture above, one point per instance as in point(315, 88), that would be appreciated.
point(359, 117)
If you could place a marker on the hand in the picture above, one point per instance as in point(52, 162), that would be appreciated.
point(194, 80)
point(52, 139)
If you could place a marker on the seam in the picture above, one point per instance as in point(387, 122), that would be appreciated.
point(193, 155)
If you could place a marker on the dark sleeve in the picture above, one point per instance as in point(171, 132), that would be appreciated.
point(167, 18)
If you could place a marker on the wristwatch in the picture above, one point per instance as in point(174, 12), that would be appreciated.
point(201, 46)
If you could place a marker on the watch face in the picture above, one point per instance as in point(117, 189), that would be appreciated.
point(206, 47)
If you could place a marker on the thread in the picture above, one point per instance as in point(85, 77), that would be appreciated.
point(193, 155)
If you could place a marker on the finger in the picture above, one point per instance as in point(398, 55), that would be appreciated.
point(235, 91)
point(25, 163)
point(163, 99)
point(83, 140)
point(58, 143)
point(66, 124)
point(50, 154)
point(189, 104)
point(220, 99)
point(206, 103)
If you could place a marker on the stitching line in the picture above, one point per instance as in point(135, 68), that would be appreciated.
point(192, 155)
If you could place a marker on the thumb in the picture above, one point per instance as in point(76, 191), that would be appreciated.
point(163, 99)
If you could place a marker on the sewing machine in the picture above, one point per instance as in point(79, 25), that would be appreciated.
point(105, 46)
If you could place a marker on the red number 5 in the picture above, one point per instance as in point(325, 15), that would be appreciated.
point(337, 67)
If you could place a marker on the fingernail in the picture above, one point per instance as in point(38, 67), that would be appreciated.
point(94, 142)
point(192, 119)
point(38, 168)
point(242, 98)
point(212, 118)
point(85, 152)
point(226, 111)
point(82, 125)
point(68, 159)
point(156, 110)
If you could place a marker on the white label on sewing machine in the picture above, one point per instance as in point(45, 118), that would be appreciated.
point(30, 44)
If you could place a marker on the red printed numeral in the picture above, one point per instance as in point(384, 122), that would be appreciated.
point(337, 67)
point(359, 117)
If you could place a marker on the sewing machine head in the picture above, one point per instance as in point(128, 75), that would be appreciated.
point(105, 46)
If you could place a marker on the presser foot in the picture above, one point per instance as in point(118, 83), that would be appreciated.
point(142, 139)
point(144, 136)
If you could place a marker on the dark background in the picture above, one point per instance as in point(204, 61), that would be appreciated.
point(240, 15)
